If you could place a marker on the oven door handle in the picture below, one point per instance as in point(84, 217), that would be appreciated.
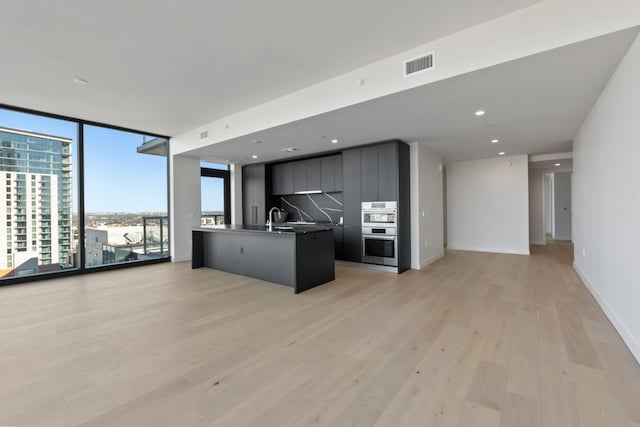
point(378, 237)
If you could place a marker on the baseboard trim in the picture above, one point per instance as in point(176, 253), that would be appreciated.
point(491, 250)
point(626, 335)
point(537, 242)
point(431, 260)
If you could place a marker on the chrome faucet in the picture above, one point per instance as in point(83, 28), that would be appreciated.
point(269, 221)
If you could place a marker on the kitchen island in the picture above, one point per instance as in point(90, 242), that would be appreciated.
point(300, 257)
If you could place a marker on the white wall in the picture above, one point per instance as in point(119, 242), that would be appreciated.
point(185, 204)
point(536, 207)
point(562, 205)
point(235, 172)
point(488, 205)
point(606, 221)
point(427, 233)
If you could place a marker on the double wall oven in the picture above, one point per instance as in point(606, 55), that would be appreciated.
point(379, 233)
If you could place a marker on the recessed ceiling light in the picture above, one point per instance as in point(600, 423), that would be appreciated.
point(480, 113)
point(557, 164)
point(495, 141)
point(502, 153)
point(254, 156)
point(290, 149)
point(334, 141)
point(79, 81)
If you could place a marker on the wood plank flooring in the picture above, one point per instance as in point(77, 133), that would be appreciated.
point(474, 340)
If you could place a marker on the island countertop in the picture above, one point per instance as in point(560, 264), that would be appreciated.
point(300, 256)
point(283, 229)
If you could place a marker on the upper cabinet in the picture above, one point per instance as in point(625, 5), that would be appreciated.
point(314, 174)
point(379, 168)
point(299, 176)
point(318, 174)
point(282, 176)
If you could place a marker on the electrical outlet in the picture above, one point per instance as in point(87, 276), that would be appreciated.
point(584, 252)
point(426, 244)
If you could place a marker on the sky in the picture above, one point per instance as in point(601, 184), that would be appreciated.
point(212, 194)
point(117, 177)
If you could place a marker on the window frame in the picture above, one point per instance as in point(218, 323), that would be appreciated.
point(82, 268)
point(226, 177)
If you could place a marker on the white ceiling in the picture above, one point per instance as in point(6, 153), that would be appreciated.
point(170, 66)
point(533, 105)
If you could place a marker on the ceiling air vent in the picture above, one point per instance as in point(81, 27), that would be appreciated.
point(204, 134)
point(290, 149)
point(417, 65)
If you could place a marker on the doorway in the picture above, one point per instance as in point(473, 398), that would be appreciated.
point(557, 202)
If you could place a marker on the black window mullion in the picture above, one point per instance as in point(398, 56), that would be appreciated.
point(81, 231)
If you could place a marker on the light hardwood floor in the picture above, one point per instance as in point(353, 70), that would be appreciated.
point(474, 340)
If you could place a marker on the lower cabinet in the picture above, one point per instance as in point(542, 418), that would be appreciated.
point(352, 243)
point(338, 236)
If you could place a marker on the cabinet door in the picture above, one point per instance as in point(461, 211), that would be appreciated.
point(351, 186)
point(253, 194)
point(337, 173)
point(388, 172)
point(299, 176)
point(370, 173)
point(314, 177)
point(339, 245)
point(282, 179)
point(327, 172)
point(352, 244)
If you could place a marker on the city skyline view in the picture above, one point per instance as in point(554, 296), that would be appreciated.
point(124, 192)
point(115, 186)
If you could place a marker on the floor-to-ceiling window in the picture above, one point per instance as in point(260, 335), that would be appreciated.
point(38, 192)
point(76, 195)
point(215, 194)
point(125, 197)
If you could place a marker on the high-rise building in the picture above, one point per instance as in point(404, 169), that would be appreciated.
point(35, 197)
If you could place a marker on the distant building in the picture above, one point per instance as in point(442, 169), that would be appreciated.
point(35, 211)
point(108, 245)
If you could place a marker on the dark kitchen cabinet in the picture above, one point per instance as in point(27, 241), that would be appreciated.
point(282, 175)
point(352, 243)
point(314, 174)
point(338, 235)
point(318, 174)
point(369, 171)
point(327, 170)
point(337, 172)
point(331, 173)
point(380, 172)
point(299, 176)
point(253, 194)
point(352, 196)
point(387, 172)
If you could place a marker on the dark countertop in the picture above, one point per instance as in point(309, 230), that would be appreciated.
point(241, 228)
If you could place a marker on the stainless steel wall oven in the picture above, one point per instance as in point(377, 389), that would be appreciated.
point(379, 233)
